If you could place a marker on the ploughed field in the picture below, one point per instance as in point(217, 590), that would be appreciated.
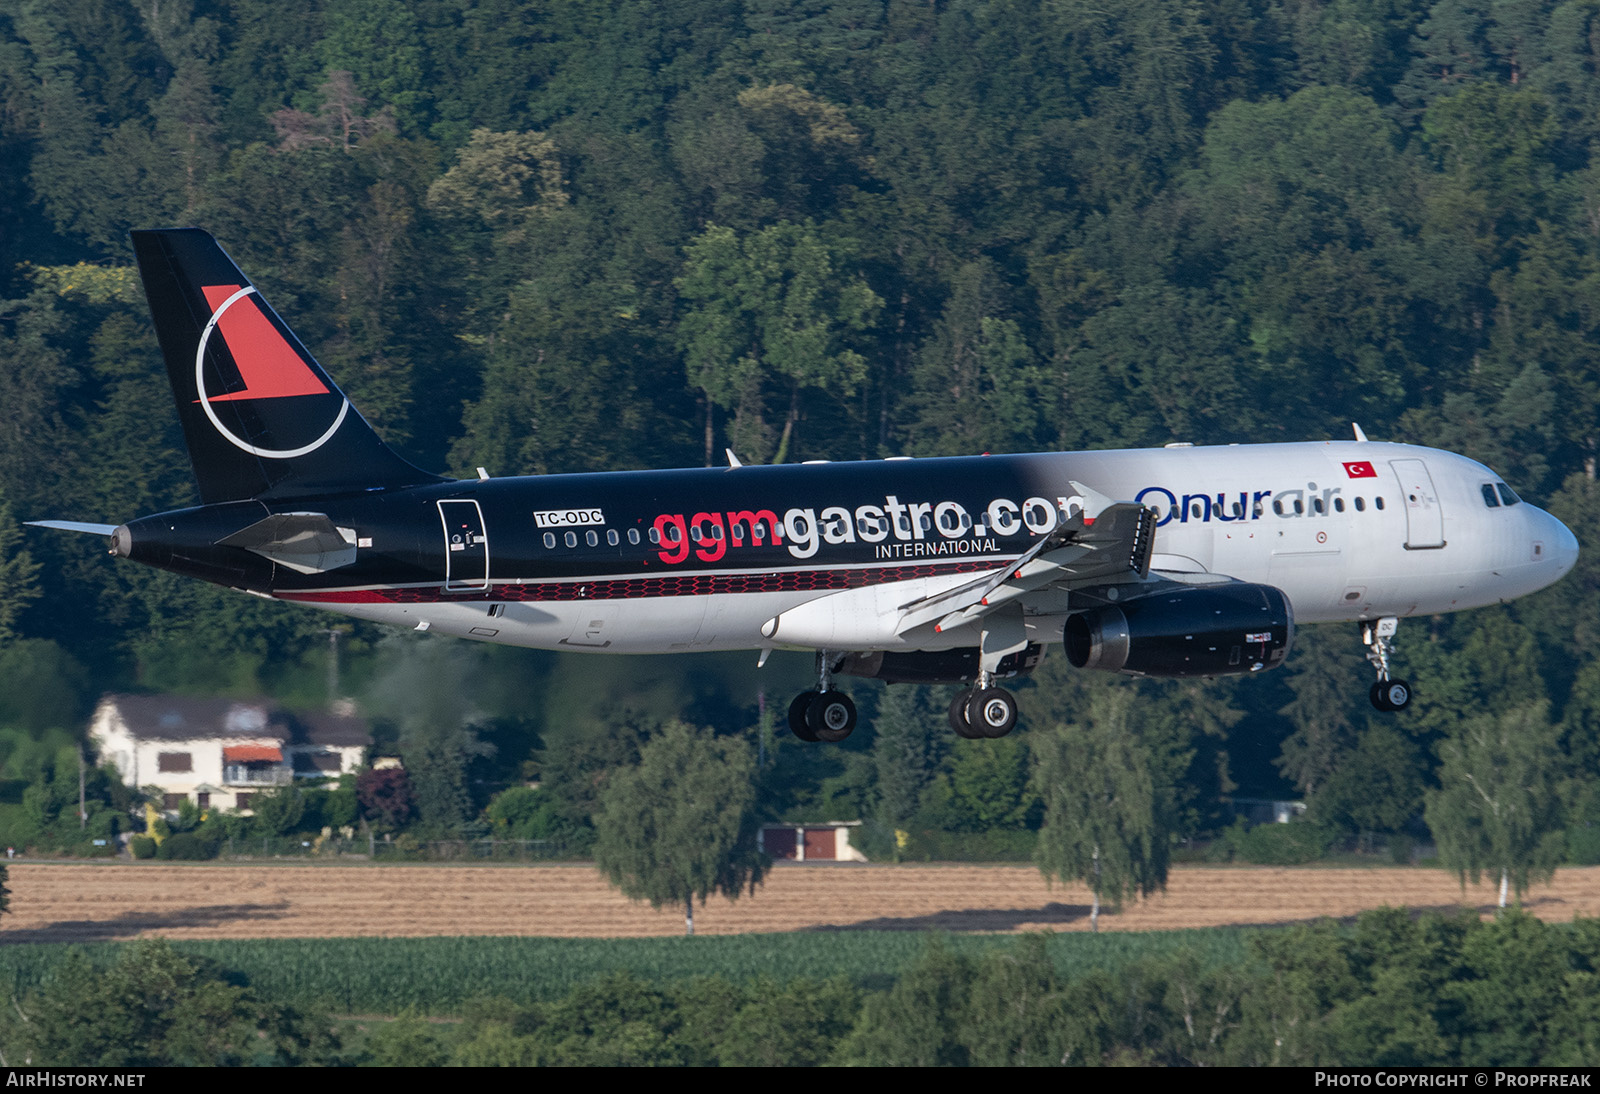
point(64, 902)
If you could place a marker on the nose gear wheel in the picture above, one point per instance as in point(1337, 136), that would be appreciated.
point(1388, 695)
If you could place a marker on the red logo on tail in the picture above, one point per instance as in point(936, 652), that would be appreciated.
point(269, 366)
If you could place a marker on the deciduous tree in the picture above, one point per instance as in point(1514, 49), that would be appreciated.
point(681, 824)
point(1496, 808)
point(1106, 821)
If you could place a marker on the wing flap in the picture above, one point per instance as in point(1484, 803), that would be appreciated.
point(1080, 550)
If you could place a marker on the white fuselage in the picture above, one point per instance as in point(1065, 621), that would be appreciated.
point(1348, 530)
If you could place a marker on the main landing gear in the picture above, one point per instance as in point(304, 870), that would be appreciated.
point(983, 711)
point(822, 714)
point(1387, 694)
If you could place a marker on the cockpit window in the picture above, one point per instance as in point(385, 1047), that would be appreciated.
point(1489, 497)
point(1505, 494)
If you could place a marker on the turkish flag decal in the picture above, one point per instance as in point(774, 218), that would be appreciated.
point(1361, 470)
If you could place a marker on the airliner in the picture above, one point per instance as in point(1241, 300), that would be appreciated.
point(1168, 562)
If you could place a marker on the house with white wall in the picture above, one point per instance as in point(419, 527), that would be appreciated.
point(219, 752)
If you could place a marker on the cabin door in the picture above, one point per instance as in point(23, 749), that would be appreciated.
point(466, 546)
point(1424, 518)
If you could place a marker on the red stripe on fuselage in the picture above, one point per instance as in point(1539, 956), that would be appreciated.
point(638, 588)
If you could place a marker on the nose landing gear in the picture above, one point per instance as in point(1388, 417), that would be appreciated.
point(1387, 694)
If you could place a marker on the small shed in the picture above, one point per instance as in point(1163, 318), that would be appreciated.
point(825, 842)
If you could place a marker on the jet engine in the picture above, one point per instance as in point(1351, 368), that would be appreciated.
point(958, 666)
point(1219, 630)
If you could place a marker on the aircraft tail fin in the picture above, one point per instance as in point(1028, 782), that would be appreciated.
point(260, 416)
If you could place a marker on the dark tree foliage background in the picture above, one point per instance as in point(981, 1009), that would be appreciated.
point(976, 226)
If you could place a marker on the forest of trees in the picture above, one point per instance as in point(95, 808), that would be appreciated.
point(547, 237)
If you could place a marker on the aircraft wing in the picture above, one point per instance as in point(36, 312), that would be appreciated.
point(1080, 550)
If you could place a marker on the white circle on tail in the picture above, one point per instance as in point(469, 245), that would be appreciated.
point(205, 400)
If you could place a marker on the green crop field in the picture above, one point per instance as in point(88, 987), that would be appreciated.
point(438, 975)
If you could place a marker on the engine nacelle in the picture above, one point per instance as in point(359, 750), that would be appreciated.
point(1218, 630)
point(958, 666)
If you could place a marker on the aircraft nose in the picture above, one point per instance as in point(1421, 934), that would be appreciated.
point(1554, 543)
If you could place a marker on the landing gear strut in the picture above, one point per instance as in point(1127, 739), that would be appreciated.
point(822, 714)
point(1387, 694)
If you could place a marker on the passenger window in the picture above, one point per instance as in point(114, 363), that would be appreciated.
point(716, 531)
point(1338, 505)
point(633, 536)
point(549, 541)
point(1316, 504)
point(1361, 505)
point(1506, 495)
point(1194, 511)
point(1277, 507)
point(1489, 497)
point(1378, 502)
point(572, 539)
point(655, 535)
point(611, 536)
point(1299, 508)
point(694, 533)
point(591, 538)
point(1238, 510)
point(1257, 510)
point(737, 531)
point(927, 523)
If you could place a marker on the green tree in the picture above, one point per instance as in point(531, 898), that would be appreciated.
point(1323, 679)
point(917, 1022)
point(426, 689)
point(779, 307)
point(1106, 822)
point(509, 181)
point(1378, 788)
point(908, 738)
point(155, 1007)
point(1496, 808)
point(976, 385)
point(380, 43)
point(278, 812)
point(681, 823)
point(988, 783)
point(19, 574)
point(523, 812)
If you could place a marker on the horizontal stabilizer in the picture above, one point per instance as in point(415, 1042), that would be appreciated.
point(73, 526)
point(308, 543)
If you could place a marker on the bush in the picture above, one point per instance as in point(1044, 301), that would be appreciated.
point(996, 845)
point(1278, 844)
point(188, 846)
point(142, 847)
point(522, 812)
point(1583, 845)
